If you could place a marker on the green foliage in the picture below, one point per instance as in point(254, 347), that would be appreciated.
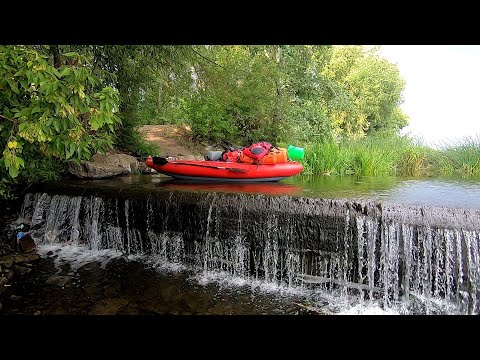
point(379, 155)
point(368, 92)
point(414, 161)
point(49, 113)
point(137, 72)
point(278, 93)
point(460, 158)
point(134, 140)
point(44, 169)
point(384, 154)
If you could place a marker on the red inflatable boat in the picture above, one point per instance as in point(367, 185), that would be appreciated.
point(222, 170)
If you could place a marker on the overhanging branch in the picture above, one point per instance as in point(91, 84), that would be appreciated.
point(6, 118)
point(209, 60)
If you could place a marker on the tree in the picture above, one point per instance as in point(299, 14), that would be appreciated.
point(370, 89)
point(282, 93)
point(132, 70)
point(50, 110)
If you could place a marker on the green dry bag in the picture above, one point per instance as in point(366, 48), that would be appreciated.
point(295, 153)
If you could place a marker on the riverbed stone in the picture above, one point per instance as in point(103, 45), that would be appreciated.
point(109, 306)
point(93, 170)
point(110, 290)
point(21, 270)
point(155, 306)
point(23, 258)
point(8, 274)
point(144, 169)
point(125, 161)
point(27, 244)
point(167, 293)
point(59, 311)
point(15, 297)
point(58, 280)
point(7, 261)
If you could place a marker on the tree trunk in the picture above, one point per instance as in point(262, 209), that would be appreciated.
point(56, 56)
point(159, 100)
point(278, 88)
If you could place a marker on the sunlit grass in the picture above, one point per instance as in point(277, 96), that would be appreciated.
point(371, 156)
point(458, 158)
point(391, 156)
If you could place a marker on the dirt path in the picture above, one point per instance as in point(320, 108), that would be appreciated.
point(172, 140)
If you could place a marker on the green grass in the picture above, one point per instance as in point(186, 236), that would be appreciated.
point(393, 156)
point(133, 142)
point(458, 158)
point(371, 156)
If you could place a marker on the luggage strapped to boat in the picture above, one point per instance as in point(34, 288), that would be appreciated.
point(259, 153)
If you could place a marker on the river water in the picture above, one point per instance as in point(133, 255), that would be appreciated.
point(438, 261)
point(452, 193)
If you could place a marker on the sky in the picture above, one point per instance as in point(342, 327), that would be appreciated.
point(442, 90)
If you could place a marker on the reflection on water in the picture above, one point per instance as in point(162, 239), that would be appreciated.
point(408, 258)
point(433, 192)
point(269, 188)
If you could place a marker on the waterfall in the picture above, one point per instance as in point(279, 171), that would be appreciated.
point(415, 258)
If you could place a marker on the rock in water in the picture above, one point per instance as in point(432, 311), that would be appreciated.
point(27, 244)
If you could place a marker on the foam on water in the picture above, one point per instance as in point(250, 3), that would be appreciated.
point(361, 309)
point(76, 255)
point(341, 255)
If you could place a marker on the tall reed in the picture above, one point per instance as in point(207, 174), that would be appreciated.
point(458, 158)
point(369, 156)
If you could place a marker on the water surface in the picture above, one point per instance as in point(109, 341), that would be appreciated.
point(454, 193)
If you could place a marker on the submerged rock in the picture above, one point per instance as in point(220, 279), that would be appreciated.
point(108, 306)
point(27, 244)
point(7, 261)
point(21, 270)
point(23, 258)
point(58, 280)
point(8, 274)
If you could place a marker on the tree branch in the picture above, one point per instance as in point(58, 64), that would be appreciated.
point(6, 118)
point(209, 60)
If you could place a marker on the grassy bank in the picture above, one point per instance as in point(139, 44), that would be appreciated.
point(393, 156)
point(459, 158)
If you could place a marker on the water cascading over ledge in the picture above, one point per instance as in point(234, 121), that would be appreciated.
point(398, 254)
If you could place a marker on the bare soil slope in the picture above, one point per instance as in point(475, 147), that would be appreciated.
point(172, 140)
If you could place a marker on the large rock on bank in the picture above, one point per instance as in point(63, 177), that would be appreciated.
point(104, 166)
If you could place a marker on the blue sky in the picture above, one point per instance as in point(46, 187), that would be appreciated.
point(442, 91)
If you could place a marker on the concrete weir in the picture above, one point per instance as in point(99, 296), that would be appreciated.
point(401, 255)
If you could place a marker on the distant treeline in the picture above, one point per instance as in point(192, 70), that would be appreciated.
point(277, 93)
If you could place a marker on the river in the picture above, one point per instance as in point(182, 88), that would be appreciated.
point(317, 246)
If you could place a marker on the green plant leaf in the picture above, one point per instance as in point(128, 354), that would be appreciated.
point(36, 109)
point(64, 72)
point(13, 171)
point(13, 86)
point(70, 54)
point(57, 125)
